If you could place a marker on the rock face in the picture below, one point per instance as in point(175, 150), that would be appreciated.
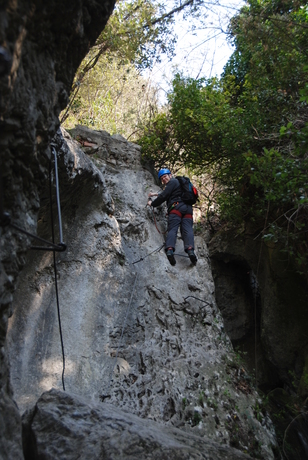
point(263, 301)
point(143, 336)
point(258, 282)
point(42, 44)
point(96, 432)
point(138, 334)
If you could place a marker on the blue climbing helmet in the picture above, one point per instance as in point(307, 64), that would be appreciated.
point(162, 172)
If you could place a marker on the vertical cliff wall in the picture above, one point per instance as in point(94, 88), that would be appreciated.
point(138, 333)
point(171, 362)
point(256, 281)
point(263, 301)
point(42, 45)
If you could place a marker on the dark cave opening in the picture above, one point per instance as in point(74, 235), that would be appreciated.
point(239, 301)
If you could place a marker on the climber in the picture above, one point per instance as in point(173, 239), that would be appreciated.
point(179, 214)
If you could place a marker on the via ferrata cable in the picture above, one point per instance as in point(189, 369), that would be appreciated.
point(153, 252)
point(5, 218)
point(54, 258)
point(58, 195)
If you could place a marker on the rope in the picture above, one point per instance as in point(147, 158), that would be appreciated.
point(103, 397)
point(201, 300)
point(285, 433)
point(53, 247)
point(255, 321)
point(162, 233)
point(55, 272)
point(255, 301)
point(155, 251)
point(5, 218)
point(58, 195)
point(1, 197)
point(160, 248)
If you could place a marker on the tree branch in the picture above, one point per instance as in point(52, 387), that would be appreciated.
point(172, 12)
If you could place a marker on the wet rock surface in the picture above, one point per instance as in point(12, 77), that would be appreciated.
point(138, 334)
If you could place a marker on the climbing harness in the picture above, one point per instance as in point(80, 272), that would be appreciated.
point(178, 213)
point(171, 210)
point(172, 207)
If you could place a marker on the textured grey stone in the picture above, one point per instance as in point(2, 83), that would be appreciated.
point(145, 337)
point(47, 41)
point(66, 427)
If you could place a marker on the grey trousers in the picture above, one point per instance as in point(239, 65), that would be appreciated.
point(186, 227)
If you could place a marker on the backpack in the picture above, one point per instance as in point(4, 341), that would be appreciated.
point(189, 192)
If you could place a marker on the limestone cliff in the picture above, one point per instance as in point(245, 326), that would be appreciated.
point(42, 45)
point(142, 337)
point(138, 333)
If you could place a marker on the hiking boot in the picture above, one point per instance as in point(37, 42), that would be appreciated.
point(192, 256)
point(170, 255)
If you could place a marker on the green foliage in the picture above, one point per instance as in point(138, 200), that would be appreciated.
point(258, 411)
point(114, 98)
point(249, 130)
point(108, 91)
point(201, 398)
point(157, 140)
point(196, 126)
point(213, 404)
point(135, 34)
point(197, 418)
point(239, 357)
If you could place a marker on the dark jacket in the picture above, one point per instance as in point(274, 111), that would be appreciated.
point(171, 194)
